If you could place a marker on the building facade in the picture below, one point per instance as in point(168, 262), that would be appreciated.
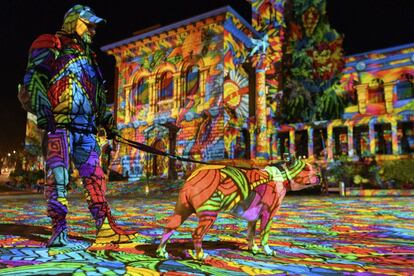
point(184, 89)
point(378, 119)
point(204, 88)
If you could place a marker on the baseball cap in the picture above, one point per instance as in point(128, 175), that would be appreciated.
point(85, 13)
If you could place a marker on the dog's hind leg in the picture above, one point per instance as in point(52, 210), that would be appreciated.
point(173, 223)
point(206, 220)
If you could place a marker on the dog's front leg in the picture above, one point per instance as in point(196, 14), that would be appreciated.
point(251, 233)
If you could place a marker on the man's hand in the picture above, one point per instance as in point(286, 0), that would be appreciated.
point(51, 125)
point(112, 133)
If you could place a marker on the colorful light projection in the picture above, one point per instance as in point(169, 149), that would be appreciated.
point(236, 96)
point(380, 99)
point(228, 102)
point(204, 107)
point(371, 235)
point(250, 194)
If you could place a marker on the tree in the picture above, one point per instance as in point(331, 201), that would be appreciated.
point(312, 65)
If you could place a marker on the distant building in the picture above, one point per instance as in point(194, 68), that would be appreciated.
point(379, 119)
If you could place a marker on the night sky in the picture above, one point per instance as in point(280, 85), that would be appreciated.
point(366, 24)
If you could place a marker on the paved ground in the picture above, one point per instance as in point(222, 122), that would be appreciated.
point(312, 236)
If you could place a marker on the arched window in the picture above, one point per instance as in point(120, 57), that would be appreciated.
point(166, 86)
point(192, 82)
point(140, 92)
point(376, 91)
point(405, 87)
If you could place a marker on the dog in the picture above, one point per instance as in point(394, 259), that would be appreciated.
point(251, 194)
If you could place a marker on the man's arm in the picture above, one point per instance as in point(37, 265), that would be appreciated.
point(42, 55)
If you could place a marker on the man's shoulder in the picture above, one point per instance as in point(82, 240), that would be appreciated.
point(51, 41)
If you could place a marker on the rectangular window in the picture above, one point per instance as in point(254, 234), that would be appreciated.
point(376, 95)
point(340, 135)
point(166, 87)
point(301, 143)
point(250, 70)
point(383, 140)
point(405, 134)
point(319, 143)
point(283, 143)
point(361, 140)
point(405, 90)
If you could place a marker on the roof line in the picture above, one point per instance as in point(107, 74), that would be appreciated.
point(179, 24)
point(383, 50)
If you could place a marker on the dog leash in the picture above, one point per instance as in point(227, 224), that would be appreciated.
point(155, 151)
point(149, 149)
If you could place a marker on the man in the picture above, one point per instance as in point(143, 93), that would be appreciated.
point(64, 89)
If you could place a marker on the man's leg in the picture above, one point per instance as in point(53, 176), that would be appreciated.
point(57, 164)
point(86, 158)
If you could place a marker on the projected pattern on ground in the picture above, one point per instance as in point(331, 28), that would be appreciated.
point(312, 235)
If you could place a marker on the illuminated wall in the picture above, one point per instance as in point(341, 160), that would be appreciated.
point(171, 88)
point(381, 98)
point(236, 96)
point(268, 17)
point(378, 90)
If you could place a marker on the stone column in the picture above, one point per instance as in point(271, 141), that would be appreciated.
point(252, 142)
point(371, 135)
point(262, 145)
point(329, 141)
point(394, 135)
point(351, 152)
point(310, 143)
point(292, 146)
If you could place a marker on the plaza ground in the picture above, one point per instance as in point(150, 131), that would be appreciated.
point(312, 235)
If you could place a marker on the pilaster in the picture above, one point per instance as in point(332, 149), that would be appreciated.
point(152, 98)
point(388, 95)
point(177, 93)
point(362, 91)
point(202, 90)
point(128, 104)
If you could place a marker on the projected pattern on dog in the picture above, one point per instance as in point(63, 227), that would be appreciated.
point(252, 194)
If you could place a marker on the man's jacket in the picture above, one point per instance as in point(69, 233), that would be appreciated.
point(65, 84)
